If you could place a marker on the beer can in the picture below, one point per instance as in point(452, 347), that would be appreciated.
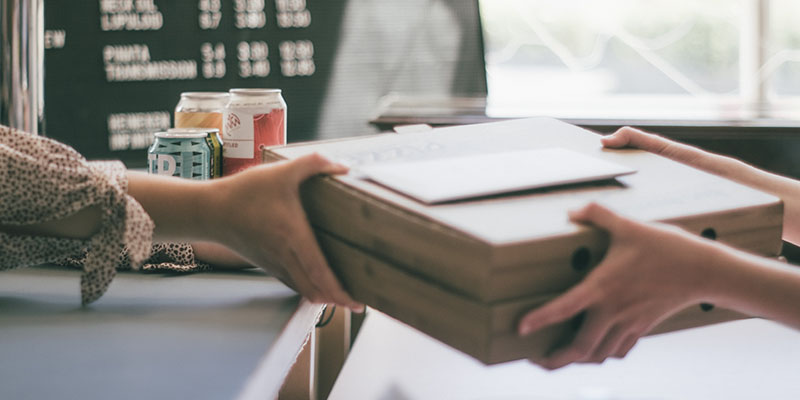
point(253, 119)
point(180, 153)
point(200, 110)
point(203, 110)
point(214, 142)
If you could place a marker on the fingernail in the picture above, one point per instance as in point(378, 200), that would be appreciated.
point(524, 330)
point(340, 165)
point(572, 213)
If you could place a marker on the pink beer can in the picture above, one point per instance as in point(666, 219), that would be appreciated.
point(253, 119)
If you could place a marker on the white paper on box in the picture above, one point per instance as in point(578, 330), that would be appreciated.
point(477, 175)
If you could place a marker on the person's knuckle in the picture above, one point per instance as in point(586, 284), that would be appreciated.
point(661, 146)
point(581, 350)
point(597, 359)
point(593, 208)
point(317, 160)
point(622, 353)
point(641, 328)
point(550, 366)
point(317, 297)
point(637, 330)
point(672, 151)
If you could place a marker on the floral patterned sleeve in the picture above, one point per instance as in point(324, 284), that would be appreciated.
point(42, 180)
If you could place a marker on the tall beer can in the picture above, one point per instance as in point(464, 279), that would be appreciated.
point(180, 153)
point(200, 110)
point(253, 119)
point(204, 110)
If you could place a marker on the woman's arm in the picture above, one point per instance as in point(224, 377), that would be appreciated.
point(81, 225)
point(652, 271)
point(256, 214)
point(787, 189)
point(219, 256)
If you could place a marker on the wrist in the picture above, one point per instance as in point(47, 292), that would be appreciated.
point(213, 210)
point(718, 266)
point(180, 208)
point(748, 283)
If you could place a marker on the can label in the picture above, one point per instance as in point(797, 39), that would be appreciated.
point(205, 120)
point(215, 144)
point(184, 119)
point(186, 158)
point(246, 133)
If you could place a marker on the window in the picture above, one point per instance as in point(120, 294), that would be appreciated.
point(658, 59)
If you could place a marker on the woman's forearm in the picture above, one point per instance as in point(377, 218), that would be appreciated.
point(81, 225)
point(757, 286)
point(181, 209)
point(786, 189)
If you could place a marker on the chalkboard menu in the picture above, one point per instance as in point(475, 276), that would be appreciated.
point(114, 69)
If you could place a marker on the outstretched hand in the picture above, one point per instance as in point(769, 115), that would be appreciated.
point(649, 272)
point(683, 153)
point(267, 226)
point(785, 188)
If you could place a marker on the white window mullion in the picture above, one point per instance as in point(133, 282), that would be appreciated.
point(753, 43)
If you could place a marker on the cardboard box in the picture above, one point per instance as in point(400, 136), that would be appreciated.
point(465, 271)
point(521, 244)
point(486, 331)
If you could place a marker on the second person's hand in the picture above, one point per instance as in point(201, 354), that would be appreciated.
point(787, 189)
point(649, 272)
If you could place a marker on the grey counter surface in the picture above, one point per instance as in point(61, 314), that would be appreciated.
point(198, 336)
point(739, 360)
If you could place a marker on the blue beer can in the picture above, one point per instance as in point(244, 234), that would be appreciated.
point(180, 152)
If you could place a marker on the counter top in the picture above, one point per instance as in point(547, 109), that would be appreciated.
point(747, 359)
point(199, 336)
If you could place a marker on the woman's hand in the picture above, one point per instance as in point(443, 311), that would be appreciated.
point(786, 189)
point(263, 220)
point(700, 159)
point(650, 272)
point(255, 213)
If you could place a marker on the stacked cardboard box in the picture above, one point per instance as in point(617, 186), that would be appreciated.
point(465, 272)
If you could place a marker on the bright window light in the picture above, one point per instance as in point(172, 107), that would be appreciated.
point(657, 59)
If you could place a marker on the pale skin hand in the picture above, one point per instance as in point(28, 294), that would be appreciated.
point(785, 188)
point(256, 214)
point(253, 218)
point(648, 273)
point(652, 271)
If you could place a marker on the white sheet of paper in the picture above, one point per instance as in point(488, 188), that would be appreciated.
point(458, 178)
